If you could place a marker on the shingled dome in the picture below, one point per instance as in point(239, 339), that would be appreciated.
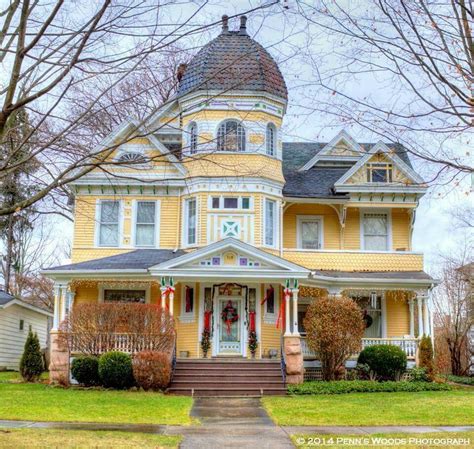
point(233, 61)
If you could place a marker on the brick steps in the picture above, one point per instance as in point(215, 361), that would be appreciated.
point(227, 377)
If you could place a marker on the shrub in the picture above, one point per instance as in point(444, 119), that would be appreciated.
point(364, 386)
point(152, 370)
point(419, 375)
point(387, 362)
point(334, 328)
point(425, 357)
point(85, 370)
point(461, 380)
point(115, 370)
point(31, 363)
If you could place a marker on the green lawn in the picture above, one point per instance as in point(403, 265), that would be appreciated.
point(14, 376)
point(370, 409)
point(403, 440)
point(40, 402)
point(69, 439)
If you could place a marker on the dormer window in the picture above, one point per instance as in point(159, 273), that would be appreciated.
point(379, 172)
point(193, 138)
point(271, 139)
point(231, 136)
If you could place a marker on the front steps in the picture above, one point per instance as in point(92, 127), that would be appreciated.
point(227, 377)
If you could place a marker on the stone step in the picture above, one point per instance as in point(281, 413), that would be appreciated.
point(225, 371)
point(226, 377)
point(229, 391)
point(219, 385)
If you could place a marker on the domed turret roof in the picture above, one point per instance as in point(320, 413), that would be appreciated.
point(233, 61)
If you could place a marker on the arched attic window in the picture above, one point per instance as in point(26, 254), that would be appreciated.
point(231, 136)
point(193, 138)
point(271, 139)
point(132, 158)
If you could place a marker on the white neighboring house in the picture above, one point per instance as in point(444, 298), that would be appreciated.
point(16, 319)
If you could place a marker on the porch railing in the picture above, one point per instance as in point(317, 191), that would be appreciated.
point(408, 345)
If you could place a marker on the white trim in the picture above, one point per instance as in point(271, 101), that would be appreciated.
point(275, 224)
point(380, 147)
point(380, 211)
point(156, 236)
point(383, 306)
point(270, 318)
point(185, 222)
point(342, 135)
point(299, 236)
point(187, 317)
point(104, 286)
point(17, 302)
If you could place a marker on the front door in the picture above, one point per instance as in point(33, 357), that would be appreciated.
point(230, 325)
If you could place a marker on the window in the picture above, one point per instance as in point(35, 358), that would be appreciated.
point(190, 229)
point(231, 203)
point(372, 316)
point(375, 231)
point(310, 232)
point(270, 222)
point(22, 325)
point(271, 139)
point(379, 172)
point(187, 302)
point(135, 296)
point(271, 302)
point(216, 202)
point(231, 136)
point(145, 223)
point(193, 138)
point(132, 158)
point(236, 202)
point(109, 223)
point(246, 203)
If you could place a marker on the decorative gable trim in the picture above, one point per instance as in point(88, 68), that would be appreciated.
point(258, 262)
point(380, 147)
point(324, 154)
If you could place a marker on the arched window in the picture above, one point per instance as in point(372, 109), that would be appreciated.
point(231, 136)
point(271, 139)
point(132, 158)
point(193, 138)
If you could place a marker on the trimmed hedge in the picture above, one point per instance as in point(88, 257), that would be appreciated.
point(115, 370)
point(386, 361)
point(85, 370)
point(466, 380)
point(363, 386)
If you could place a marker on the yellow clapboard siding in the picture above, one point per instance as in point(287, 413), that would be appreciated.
point(400, 229)
point(187, 333)
point(331, 233)
point(87, 294)
point(208, 115)
point(398, 315)
point(352, 229)
point(270, 337)
point(356, 261)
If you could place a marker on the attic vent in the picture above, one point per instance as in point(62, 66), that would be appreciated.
point(133, 158)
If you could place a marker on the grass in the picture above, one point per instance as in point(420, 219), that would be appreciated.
point(68, 439)
point(14, 376)
point(403, 440)
point(377, 409)
point(40, 402)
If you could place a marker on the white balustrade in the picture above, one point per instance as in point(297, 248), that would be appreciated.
point(125, 342)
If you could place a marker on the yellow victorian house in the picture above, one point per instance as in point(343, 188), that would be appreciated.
point(207, 212)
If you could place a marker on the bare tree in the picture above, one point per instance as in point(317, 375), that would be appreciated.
point(452, 301)
point(53, 51)
point(403, 70)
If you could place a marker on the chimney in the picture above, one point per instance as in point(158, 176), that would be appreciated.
point(225, 24)
point(243, 25)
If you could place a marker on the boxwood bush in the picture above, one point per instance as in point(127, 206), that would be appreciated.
point(388, 362)
point(85, 370)
point(115, 370)
point(363, 386)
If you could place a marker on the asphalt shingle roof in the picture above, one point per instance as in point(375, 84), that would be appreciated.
point(134, 260)
point(5, 298)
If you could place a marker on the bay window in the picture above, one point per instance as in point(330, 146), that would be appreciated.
point(108, 223)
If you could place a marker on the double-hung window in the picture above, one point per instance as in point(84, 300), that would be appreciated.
point(109, 213)
point(145, 223)
point(270, 223)
point(310, 232)
point(375, 231)
point(190, 221)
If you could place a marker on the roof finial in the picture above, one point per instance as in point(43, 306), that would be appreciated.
point(243, 25)
point(225, 23)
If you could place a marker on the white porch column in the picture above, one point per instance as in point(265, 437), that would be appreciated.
point(171, 297)
point(63, 298)
point(411, 306)
point(426, 316)
point(163, 296)
point(295, 292)
point(70, 303)
point(287, 311)
point(57, 293)
point(419, 300)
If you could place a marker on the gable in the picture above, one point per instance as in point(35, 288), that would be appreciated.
point(342, 148)
point(379, 160)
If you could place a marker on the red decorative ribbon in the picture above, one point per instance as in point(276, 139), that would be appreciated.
point(207, 320)
point(252, 321)
point(269, 292)
point(280, 323)
point(188, 299)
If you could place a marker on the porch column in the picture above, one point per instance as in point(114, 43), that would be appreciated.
point(419, 300)
point(295, 292)
point(287, 311)
point(64, 298)
point(57, 293)
point(426, 316)
point(70, 302)
point(171, 298)
point(163, 296)
point(411, 306)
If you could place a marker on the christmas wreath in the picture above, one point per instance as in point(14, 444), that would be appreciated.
point(367, 319)
point(229, 315)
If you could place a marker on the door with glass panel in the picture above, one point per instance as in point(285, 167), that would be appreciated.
point(229, 325)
